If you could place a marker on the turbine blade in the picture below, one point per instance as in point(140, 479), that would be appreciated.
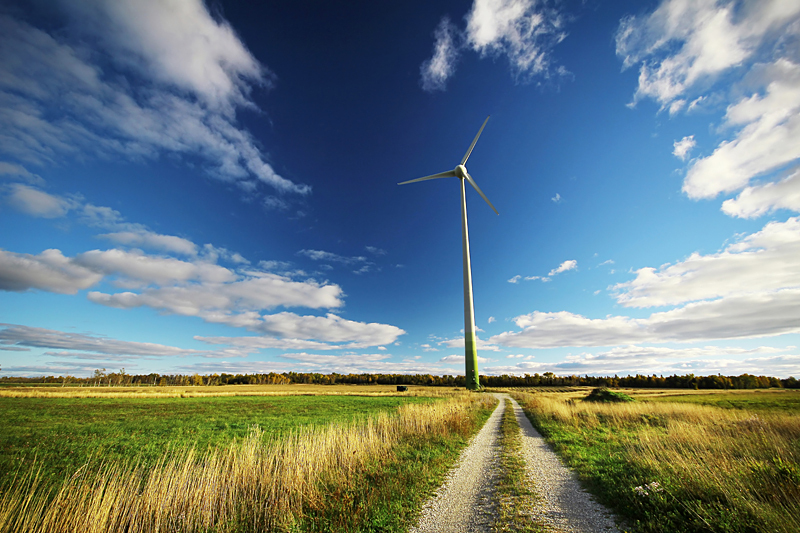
point(448, 174)
point(475, 185)
point(471, 146)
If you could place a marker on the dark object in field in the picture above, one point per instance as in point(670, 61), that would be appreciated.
point(402, 388)
point(606, 395)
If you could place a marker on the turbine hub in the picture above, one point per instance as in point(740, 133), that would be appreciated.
point(461, 171)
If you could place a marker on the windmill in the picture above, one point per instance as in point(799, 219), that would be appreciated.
point(460, 172)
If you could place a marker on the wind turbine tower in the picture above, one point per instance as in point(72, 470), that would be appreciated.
point(460, 172)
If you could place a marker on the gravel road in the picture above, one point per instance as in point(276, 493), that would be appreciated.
point(466, 502)
point(561, 502)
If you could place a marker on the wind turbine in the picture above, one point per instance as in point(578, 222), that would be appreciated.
point(460, 172)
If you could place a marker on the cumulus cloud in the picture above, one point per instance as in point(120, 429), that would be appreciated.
point(515, 279)
point(168, 80)
point(684, 44)
point(735, 317)
point(556, 199)
point(522, 31)
point(758, 200)
point(48, 271)
point(149, 269)
point(764, 261)
point(564, 267)
point(685, 48)
point(250, 292)
point(768, 136)
point(681, 149)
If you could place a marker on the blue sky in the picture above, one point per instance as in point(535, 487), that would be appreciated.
point(212, 187)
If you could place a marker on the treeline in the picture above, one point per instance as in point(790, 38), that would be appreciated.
point(548, 379)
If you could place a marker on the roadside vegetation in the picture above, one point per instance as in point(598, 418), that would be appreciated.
point(369, 474)
point(515, 495)
point(682, 464)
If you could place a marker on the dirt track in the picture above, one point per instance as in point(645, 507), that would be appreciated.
point(466, 501)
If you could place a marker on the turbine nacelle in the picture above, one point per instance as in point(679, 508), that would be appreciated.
point(460, 171)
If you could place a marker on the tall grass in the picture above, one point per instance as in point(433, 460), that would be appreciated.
point(681, 467)
point(259, 484)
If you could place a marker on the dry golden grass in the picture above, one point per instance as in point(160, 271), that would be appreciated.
point(719, 464)
point(225, 390)
point(261, 484)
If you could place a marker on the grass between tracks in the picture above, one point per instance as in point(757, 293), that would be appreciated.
point(514, 492)
point(372, 474)
point(680, 466)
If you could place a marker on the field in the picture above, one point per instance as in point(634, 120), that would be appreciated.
point(682, 461)
point(63, 433)
point(248, 459)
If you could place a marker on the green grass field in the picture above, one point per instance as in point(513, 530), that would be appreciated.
point(772, 400)
point(310, 469)
point(63, 433)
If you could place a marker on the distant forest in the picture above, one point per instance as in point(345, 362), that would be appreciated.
point(548, 379)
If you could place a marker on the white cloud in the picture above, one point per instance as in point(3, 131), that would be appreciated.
point(682, 148)
point(149, 239)
point(515, 279)
point(767, 260)
point(703, 361)
point(330, 328)
point(24, 336)
point(140, 267)
point(758, 200)
point(523, 31)
point(459, 359)
point(320, 255)
point(11, 170)
point(563, 267)
point(263, 343)
point(768, 139)
point(479, 344)
point(491, 319)
point(37, 203)
point(249, 292)
point(48, 271)
point(436, 70)
point(178, 43)
point(556, 199)
point(735, 317)
point(683, 44)
point(685, 48)
point(55, 104)
point(375, 251)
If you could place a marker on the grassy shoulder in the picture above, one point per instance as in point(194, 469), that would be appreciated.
point(515, 496)
point(387, 495)
point(62, 434)
point(676, 466)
